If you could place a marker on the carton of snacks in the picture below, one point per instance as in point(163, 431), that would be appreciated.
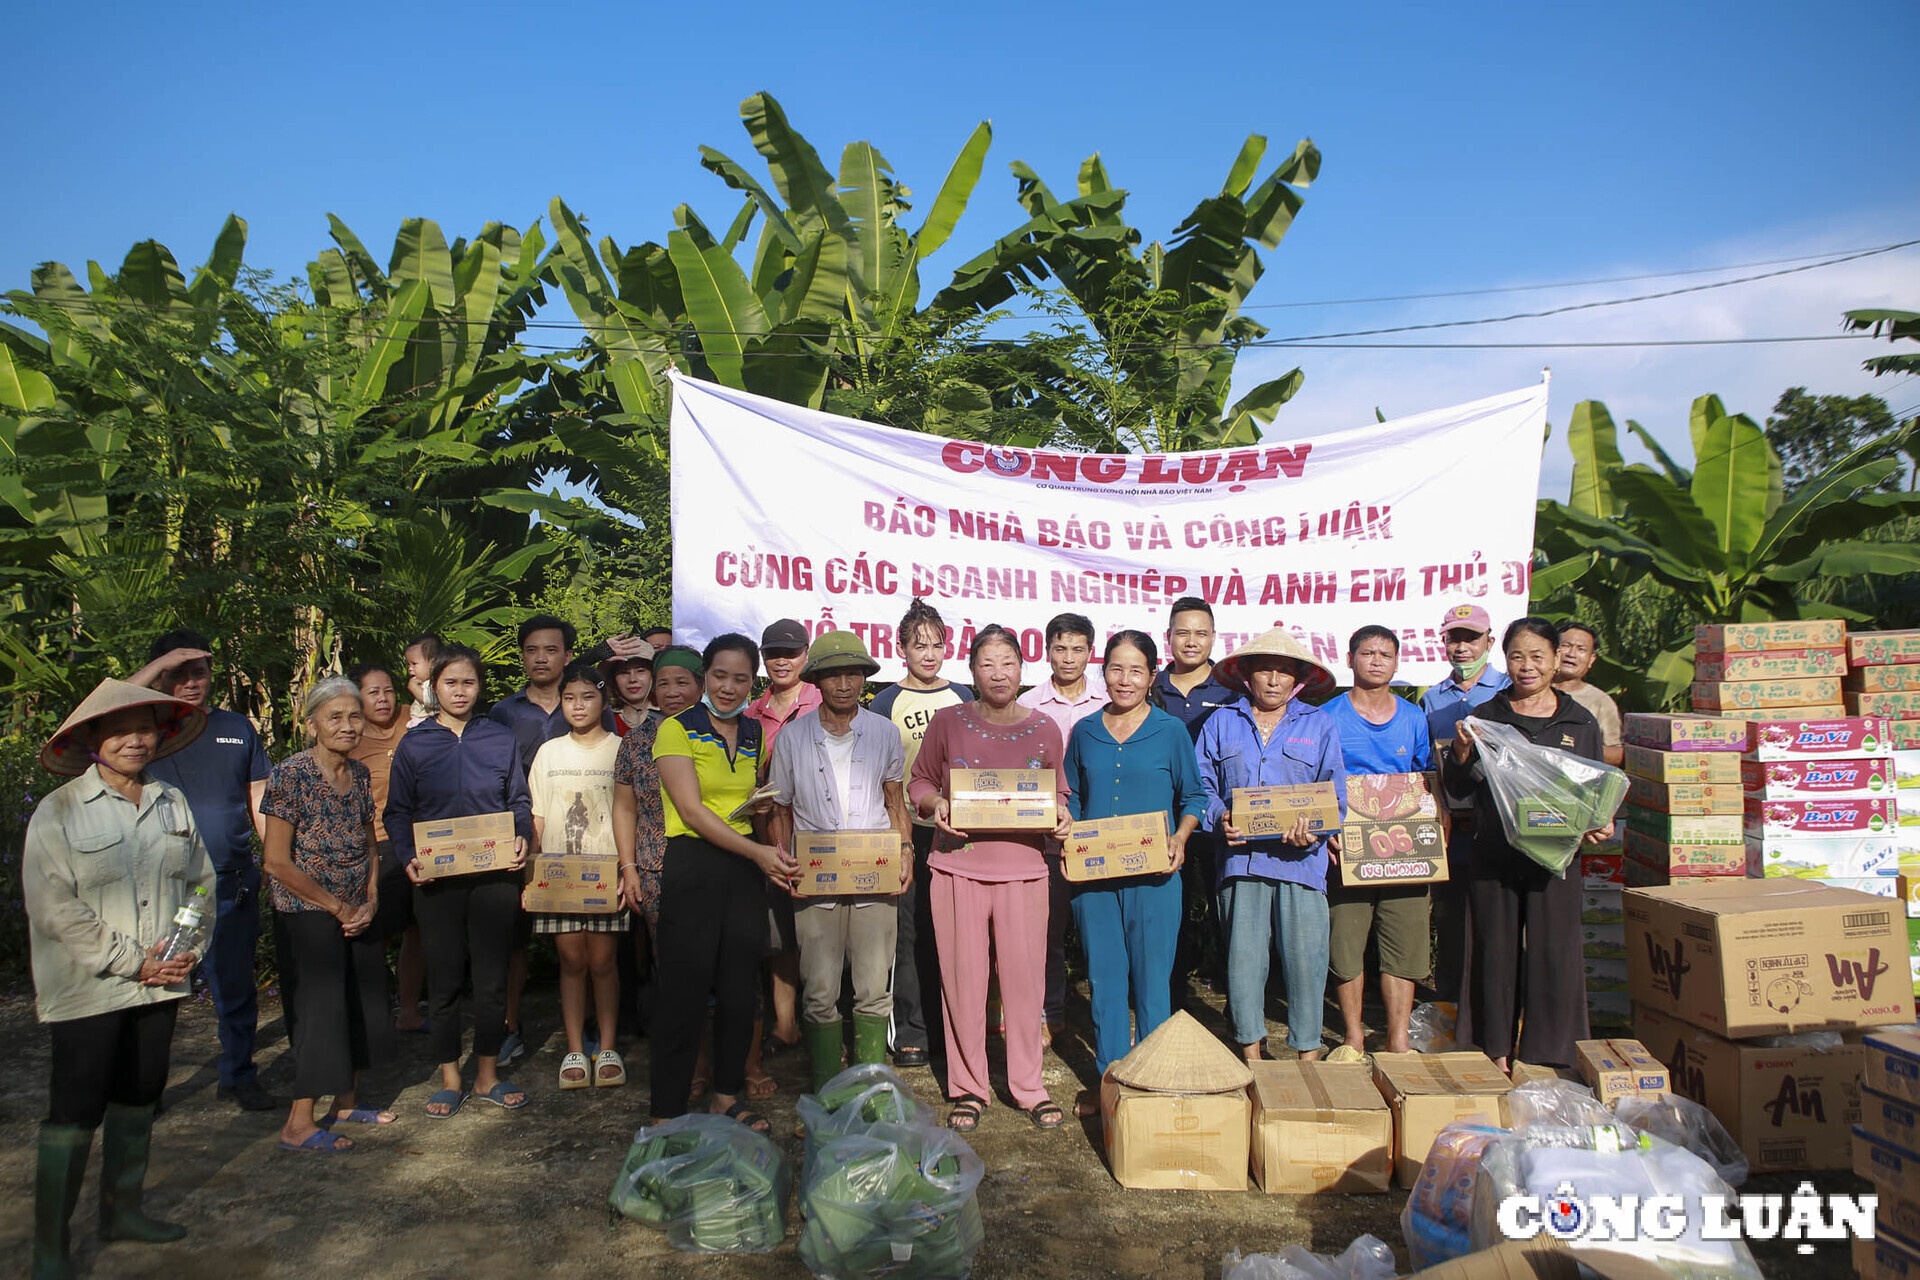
point(1753, 695)
point(1905, 734)
point(1759, 637)
point(1817, 779)
point(1265, 812)
point(1683, 733)
point(1874, 816)
point(1320, 1127)
point(847, 863)
point(1782, 664)
point(575, 884)
point(1175, 1112)
point(1687, 859)
point(1684, 797)
point(1616, 1068)
point(463, 846)
point(1883, 648)
point(1893, 679)
point(1721, 768)
point(1392, 833)
point(1673, 828)
point(1904, 705)
point(1813, 738)
point(1892, 1065)
point(1602, 870)
point(1003, 800)
point(1112, 848)
point(1429, 1091)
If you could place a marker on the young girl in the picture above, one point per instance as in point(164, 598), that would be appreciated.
point(629, 684)
point(571, 782)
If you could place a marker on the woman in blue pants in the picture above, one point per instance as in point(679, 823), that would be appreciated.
point(1131, 758)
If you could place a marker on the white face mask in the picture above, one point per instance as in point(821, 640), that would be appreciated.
point(707, 702)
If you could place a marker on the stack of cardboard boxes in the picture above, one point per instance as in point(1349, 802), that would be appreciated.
point(1820, 801)
point(1747, 670)
point(1684, 804)
point(1886, 1151)
point(1883, 679)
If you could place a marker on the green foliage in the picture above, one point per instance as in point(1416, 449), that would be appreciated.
point(1899, 326)
point(23, 783)
point(1811, 433)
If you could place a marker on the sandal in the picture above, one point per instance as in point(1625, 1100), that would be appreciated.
point(1046, 1115)
point(965, 1116)
point(451, 1099)
point(321, 1141)
point(576, 1062)
point(762, 1086)
point(364, 1115)
point(601, 1061)
point(747, 1116)
point(1087, 1105)
point(499, 1093)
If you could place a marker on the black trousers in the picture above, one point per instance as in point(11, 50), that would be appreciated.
point(713, 935)
point(1202, 946)
point(1453, 916)
point(916, 961)
point(1524, 958)
point(1059, 915)
point(119, 1057)
point(468, 921)
point(339, 1023)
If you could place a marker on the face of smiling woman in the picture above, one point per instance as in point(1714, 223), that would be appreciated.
point(996, 673)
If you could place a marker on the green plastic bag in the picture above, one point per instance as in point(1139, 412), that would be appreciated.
point(865, 1094)
point(896, 1201)
point(1547, 799)
point(713, 1185)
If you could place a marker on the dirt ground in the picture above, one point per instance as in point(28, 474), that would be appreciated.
point(524, 1193)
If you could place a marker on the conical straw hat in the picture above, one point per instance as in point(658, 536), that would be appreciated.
point(180, 723)
point(1316, 678)
point(1181, 1056)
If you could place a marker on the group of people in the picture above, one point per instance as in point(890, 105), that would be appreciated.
point(663, 757)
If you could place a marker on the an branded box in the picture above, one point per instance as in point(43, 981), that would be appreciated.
point(1772, 818)
point(840, 863)
point(1718, 859)
point(1684, 828)
point(1428, 1092)
point(1818, 738)
point(1781, 664)
point(1686, 798)
point(1883, 648)
point(1392, 833)
point(1265, 812)
point(1817, 779)
point(1683, 733)
point(1762, 957)
point(1758, 695)
point(585, 884)
point(1616, 1068)
point(1604, 973)
point(1003, 800)
point(1789, 1109)
point(1889, 679)
point(1713, 767)
point(1320, 1126)
point(463, 846)
point(1901, 705)
point(1176, 1141)
point(1111, 848)
point(1603, 941)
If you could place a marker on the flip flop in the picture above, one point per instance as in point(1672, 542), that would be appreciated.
point(747, 1116)
point(762, 1086)
point(451, 1099)
point(320, 1141)
point(498, 1095)
point(775, 1046)
point(364, 1115)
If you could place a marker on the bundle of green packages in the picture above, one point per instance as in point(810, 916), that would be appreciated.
point(714, 1185)
point(1548, 799)
point(860, 1097)
point(896, 1201)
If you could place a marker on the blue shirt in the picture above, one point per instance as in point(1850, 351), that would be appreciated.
point(440, 774)
point(1447, 704)
point(1401, 745)
point(216, 772)
point(1305, 747)
point(1192, 709)
point(1153, 770)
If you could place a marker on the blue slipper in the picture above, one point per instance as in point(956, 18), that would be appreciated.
point(498, 1095)
point(321, 1141)
point(450, 1099)
point(364, 1115)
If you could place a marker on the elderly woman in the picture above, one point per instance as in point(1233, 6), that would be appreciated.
point(1273, 891)
point(1131, 757)
point(1525, 989)
point(324, 861)
point(989, 892)
point(112, 862)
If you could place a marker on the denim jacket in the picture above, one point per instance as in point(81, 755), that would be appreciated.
point(1305, 747)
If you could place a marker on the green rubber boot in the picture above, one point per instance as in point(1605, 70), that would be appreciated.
point(56, 1190)
point(869, 1037)
point(123, 1172)
point(823, 1047)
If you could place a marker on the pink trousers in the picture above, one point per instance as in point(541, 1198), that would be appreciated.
point(974, 923)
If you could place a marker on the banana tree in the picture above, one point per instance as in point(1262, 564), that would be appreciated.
point(1722, 542)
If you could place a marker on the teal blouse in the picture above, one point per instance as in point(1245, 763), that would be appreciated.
point(1154, 769)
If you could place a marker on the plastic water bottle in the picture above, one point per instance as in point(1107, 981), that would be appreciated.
point(189, 927)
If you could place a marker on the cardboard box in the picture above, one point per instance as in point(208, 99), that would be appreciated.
point(1605, 973)
point(1682, 733)
point(1885, 1165)
point(1768, 637)
point(1644, 875)
point(1532, 1073)
point(1617, 1068)
point(1603, 870)
point(1815, 738)
point(1789, 1109)
point(1892, 1064)
point(842, 863)
point(1603, 941)
point(1686, 859)
point(585, 884)
point(1755, 695)
point(1815, 858)
point(1264, 812)
point(1883, 648)
point(1879, 886)
point(1817, 779)
point(1901, 705)
point(1905, 734)
point(1781, 664)
point(1885, 1257)
point(1610, 1009)
point(1655, 765)
point(463, 846)
point(1003, 800)
point(1906, 770)
point(1678, 828)
point(1392, 833)
point(1110, 848)
point(1898, 1215)
point(1428, 1092)
point(1824, 711)
point(1320, 1126)
point(1601, 906)
point(1889, 679)
point(1176, 1141)
point(1890, 1119)
point(1761, 957)
point(1874, 816)
point(1687, 798)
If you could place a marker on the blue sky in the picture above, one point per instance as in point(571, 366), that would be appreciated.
point(1465, 147)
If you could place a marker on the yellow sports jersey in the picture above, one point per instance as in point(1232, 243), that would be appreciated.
point(725, 784)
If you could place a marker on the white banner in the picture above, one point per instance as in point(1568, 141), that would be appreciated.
point(784, 512)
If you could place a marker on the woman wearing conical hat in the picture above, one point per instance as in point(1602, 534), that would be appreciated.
point(110, 859)
point(1273, 891)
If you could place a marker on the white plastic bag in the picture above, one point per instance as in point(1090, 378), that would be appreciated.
point(897, 1201)
point(865, 1094)
point(1367, 1258)
point(1547, 799)
point(713, 1185)
point(1564, 1102)
point(1685, 1123)
point(1430, 1029)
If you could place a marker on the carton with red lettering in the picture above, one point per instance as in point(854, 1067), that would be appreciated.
point(1764, 957)
point(1686, 859)
point(1814, 738)
point(1712, 767)
point(1767, 637)
point(1113, 848)
point(1903, 705)
point(1774, 818)
point(1683, 733)
point(838, 864)
point(1392, 833)
point(1756, 695)
point(1883, 648)
point(1817, 779)
point(1781, 664)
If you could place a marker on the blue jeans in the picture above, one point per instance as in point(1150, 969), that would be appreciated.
point(1260, 915)
point(229, 969)
point(1130, 931)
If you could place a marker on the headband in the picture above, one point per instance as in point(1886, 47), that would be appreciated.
point(675, 658)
